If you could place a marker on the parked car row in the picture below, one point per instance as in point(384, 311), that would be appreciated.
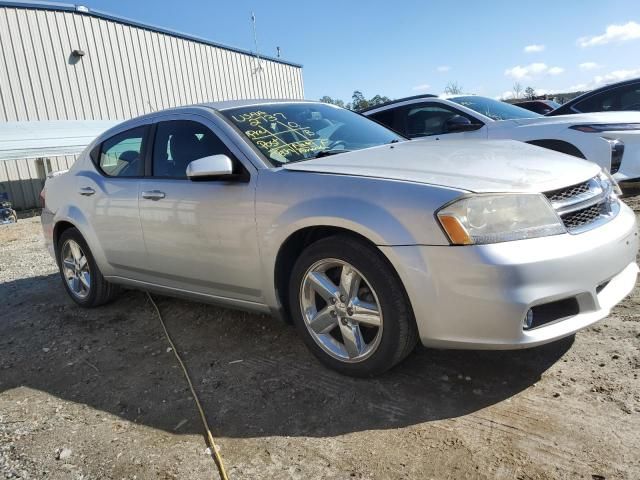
point(610, 139)
point(366, 240)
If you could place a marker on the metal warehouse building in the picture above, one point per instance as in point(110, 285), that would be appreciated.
point(67, 62)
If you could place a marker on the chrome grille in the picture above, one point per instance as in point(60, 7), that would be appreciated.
point(582, 217)
point(585, 205)
point(569, 192)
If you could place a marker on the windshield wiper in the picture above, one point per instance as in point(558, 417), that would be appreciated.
point(326, 153)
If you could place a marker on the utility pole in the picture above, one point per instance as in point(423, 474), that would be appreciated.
point(255, 39)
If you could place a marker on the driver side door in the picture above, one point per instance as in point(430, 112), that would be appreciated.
point(200, 235)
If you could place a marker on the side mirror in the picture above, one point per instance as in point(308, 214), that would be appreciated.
point(458, 123)
point(211, 166)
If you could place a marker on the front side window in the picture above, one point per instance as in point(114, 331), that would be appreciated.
point(493, 109)
point(293, 132)
point(386, 118)
point(601, 102)
point(622, 98)
point(430, 119)
point(121, 155)
point(179, 142)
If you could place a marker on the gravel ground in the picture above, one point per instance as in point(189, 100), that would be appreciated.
point(96, 395)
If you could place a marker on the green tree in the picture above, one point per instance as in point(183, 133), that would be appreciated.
point(358, 101)
point(530, 93)
point(332, 101)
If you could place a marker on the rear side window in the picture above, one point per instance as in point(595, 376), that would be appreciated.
point(180, 142)
point(121, 155)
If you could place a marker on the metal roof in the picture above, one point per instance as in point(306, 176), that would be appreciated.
point(82, 10)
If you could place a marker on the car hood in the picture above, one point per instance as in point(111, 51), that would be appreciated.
point(580, 118)
point(476, 166)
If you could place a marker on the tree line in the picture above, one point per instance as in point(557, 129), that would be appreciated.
point(360, 102)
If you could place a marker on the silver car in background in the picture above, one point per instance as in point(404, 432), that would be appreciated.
point(365, 241)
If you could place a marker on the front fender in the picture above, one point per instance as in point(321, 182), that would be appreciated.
point(358, 215)
point(387, 213)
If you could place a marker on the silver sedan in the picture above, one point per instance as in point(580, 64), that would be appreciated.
point(367, 242)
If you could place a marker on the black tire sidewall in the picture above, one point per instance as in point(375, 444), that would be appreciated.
point(75, 235)
point(383, 280)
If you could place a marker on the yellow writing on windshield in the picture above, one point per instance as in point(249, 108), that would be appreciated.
point(275, 134)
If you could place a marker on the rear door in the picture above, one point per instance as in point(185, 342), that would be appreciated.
point(200, 235)
point(108, 196)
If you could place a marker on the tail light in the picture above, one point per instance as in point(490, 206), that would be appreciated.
point(42, 199)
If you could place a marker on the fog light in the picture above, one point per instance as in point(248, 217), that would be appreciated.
point(528, 319)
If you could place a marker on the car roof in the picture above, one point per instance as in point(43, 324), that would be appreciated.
point(228, 104)
point(392, 102)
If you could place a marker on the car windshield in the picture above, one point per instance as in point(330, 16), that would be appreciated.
point(494, 109)
point(293, 132)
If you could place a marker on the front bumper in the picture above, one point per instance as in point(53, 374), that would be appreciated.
point(476, 297)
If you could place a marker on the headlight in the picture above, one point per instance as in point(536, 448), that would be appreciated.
point(481, 219)
point(606, 127)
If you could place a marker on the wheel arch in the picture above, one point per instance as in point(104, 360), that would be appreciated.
point(59, 228)
point(294, 245)
point(556, 145)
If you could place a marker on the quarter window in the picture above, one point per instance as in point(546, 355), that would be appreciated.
point(121, 155)
point(179, 142)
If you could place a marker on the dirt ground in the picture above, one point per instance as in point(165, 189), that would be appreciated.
point(97, 395)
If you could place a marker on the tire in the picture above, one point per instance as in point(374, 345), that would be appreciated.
point(94, 290)
point(376, 348)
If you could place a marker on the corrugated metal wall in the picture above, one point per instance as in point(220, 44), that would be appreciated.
point(126, 71)
point(23, 179)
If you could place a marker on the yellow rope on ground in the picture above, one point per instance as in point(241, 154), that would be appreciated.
point(210, 440)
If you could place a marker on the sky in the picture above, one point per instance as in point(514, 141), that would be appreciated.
point(409, 47)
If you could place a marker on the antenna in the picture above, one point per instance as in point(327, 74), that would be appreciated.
point(278, 51)
point(255, 40)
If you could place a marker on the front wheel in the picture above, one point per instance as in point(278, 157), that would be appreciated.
point(350, 307)
point(81, 276)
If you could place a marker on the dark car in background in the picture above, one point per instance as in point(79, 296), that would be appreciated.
point(539, 106)
point(619, 96)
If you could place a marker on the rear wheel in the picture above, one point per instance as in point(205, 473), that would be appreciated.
point(81, 276)
point(350, 307)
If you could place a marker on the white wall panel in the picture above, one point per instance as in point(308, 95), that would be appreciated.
point(127, 70)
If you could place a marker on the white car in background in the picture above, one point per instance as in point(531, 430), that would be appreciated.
point(610, 139)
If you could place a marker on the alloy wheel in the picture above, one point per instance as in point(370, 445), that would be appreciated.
point(75, 267)
point(341, 310)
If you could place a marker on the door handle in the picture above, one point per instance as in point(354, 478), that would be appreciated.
point(86, 191)
point(153, 195)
